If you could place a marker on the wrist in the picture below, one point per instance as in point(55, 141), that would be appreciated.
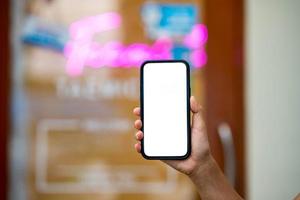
point(211, 182)
point(207, 166)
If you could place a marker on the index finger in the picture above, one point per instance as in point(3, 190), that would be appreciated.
point(137, 111)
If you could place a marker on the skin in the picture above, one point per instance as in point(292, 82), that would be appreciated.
point(200, 166)
point(297, 197)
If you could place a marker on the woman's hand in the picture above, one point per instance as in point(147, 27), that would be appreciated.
point(200, 154)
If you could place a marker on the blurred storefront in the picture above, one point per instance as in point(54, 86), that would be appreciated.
point(76, 81)
point(69, 73)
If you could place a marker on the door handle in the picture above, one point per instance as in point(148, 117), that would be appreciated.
point(226, 138)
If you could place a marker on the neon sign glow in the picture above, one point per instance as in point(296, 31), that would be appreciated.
point(82, 52)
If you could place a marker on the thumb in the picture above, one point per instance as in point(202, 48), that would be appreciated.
point(197, 120)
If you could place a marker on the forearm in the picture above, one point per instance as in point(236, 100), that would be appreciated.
point(211, 182)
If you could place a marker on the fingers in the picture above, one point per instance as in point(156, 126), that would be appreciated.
point(194, 105)
point(197, 121)
point(137, 147)
point(137, 111)
point(138, 124)
point(139, 136)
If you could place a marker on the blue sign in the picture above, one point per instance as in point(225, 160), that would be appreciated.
point(181, 52)
point(169, 19)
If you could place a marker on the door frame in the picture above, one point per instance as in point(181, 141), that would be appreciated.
point(5, 94)
point(224, 74)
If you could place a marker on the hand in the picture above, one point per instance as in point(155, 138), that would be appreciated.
point(200, 154)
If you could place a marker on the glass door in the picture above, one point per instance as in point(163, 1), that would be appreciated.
point(76, 81)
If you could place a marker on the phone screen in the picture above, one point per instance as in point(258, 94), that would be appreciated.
point(165, 109)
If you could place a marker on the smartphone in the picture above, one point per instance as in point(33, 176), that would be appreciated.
point(165, 109)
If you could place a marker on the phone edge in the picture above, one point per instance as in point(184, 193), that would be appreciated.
point(189, 145)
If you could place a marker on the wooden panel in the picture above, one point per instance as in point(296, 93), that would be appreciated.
point(224, 76)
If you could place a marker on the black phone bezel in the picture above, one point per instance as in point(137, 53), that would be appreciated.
point(188, 93)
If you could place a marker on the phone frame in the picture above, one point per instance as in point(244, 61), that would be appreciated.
point(188, 93)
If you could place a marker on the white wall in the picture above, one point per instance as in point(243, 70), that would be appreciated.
point(273, 98)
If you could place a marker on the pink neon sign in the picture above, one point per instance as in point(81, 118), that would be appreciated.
point(82, 52)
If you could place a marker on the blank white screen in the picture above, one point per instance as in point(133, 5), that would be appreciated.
point(165, 109)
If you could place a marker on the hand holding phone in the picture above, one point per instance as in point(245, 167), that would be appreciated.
point(199, 165)
point(200, 153)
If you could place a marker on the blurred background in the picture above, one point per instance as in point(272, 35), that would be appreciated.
point(70, 79)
